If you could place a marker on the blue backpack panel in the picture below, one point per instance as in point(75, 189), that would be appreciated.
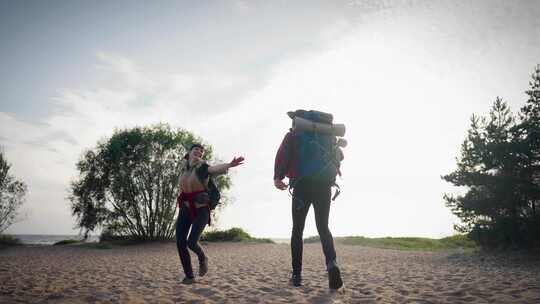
point(317, 156)
point(316, 152)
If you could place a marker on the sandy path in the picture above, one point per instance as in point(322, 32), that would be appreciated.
point(241, 273)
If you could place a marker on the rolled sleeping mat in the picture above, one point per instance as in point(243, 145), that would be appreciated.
point(302, 124)
point(313, 115)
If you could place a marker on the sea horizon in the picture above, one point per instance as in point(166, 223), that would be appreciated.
point(50, 239)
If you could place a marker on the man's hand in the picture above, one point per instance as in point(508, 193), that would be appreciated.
point(236, 161)
point(278, 183)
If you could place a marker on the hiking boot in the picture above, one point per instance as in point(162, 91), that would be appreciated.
point(334, 276)
point(203, 267)
point(296, 280)
point(188, 281)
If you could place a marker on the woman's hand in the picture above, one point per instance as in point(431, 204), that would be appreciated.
point(222, 168)
point(236, 161)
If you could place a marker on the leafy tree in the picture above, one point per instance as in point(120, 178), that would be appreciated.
point(128, 184)
point(498, 167)
point(12, 192)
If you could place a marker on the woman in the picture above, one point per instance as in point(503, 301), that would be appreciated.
point(194, 210)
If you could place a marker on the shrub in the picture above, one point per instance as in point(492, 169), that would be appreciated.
point(12, 192)
point(108, 236)
point(231, 235)
point(8, 241)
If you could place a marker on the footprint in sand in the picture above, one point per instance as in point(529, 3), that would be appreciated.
point(403, 292)
point(331, 298)
point(284, 293)
point(266, 289)
point(418, 301)
point(204, 291)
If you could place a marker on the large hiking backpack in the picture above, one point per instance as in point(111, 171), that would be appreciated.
point(316, 151)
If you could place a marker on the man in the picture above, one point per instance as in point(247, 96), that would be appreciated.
point(306, 191)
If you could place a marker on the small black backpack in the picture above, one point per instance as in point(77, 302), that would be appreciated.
point(213, 193)
point(212, 190)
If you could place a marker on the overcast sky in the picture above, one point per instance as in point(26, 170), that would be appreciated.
point(404, 76)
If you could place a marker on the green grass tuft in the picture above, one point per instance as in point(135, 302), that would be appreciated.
point(312, 239)
point(405, 243)
point(67, 242)
point(458, 241)
point(232, 235)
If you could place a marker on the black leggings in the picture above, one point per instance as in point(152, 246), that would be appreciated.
point(197, 225)
point(306, 193)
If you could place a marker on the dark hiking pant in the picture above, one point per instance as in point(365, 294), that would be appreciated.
point(183, 225)
point(306, 193)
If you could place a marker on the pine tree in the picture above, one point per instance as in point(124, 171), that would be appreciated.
point(528, 132)
point(499, 167)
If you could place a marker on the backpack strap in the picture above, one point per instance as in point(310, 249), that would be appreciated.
point(338, 191)
point(204, 184)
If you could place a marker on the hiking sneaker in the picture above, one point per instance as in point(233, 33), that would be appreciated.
point(203, 267)
point(296, 280)
point(334, 276)
point(188, 281)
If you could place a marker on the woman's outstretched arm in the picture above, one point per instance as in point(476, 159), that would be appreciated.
point(222, 168)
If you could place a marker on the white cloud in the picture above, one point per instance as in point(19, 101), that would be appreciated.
point(44, 153)
point(406, 104)
point(396, 142)
point(241, 6)
point(404, 83)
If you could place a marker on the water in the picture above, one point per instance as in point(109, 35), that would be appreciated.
point(43, 239)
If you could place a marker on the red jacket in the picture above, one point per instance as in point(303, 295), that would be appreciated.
point(286, 163)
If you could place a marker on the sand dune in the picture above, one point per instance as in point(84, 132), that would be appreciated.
point(244, 273)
